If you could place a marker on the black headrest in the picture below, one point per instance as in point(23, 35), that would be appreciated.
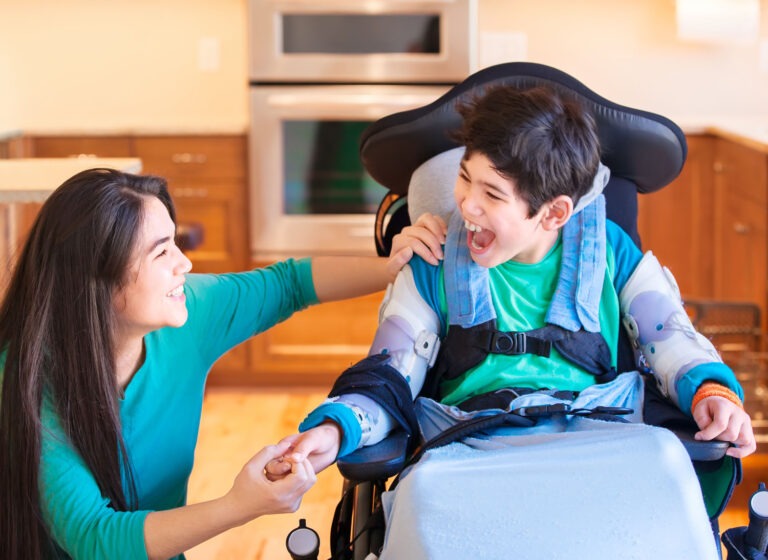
point(647, 149)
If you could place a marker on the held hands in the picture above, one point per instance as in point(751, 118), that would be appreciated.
point(254, 493)
point(719, 418)
point(424, 238)
point(320, 445)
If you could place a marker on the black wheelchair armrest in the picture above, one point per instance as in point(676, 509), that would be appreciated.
point(376, 462)
point(387, 458)
point(712, 450)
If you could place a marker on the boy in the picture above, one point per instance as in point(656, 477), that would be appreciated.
point(554, 288)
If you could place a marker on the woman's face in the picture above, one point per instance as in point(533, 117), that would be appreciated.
point(153, 294)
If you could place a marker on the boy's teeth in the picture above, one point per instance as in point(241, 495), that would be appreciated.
point(472, 227)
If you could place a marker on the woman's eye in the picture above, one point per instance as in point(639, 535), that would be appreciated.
point(492, 196)
point(162, 253)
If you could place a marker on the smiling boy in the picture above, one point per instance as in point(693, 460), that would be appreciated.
point(530, 158)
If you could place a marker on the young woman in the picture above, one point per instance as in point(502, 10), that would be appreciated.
point(105, 345)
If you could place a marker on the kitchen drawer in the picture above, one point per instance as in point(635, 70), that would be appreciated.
point(219, 209)
point(74, 146)
point(184, 159)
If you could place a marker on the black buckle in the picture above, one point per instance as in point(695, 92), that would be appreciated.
point(543, 411)
point(509, 343)
point(548, 410)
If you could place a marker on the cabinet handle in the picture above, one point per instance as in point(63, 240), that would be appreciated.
point(190, 192)
point(741, 228)
point(186, 157)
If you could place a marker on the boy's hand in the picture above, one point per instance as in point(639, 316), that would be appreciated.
point(320, 445)
point(424, 238)
point(719, 418)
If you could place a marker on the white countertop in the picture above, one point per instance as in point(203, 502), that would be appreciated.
point(752, 132)
point(33, 179)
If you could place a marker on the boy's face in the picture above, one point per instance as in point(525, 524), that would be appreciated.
point(496, 218)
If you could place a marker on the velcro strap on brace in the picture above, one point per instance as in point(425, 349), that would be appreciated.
point(427, 345)
point(377, 380)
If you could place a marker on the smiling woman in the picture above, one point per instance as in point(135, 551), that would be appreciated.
point(105, 345)
point(152, 296)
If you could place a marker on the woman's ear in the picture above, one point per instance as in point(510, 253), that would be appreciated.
point(557, 212)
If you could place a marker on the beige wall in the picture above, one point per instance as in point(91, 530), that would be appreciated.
point(133, 64)
point(101, 64)
point(628, 51)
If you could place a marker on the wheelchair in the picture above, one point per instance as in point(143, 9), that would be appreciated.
point(644, 153)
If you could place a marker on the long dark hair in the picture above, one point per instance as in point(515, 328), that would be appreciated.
point(56, 333)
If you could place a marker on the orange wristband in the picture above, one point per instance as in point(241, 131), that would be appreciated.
point(714, 389)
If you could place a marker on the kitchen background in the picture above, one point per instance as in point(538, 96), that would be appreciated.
point(98, 65)
point(167, 80)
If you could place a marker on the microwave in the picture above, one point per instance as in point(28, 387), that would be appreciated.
point(309, 192)
point(361, 41)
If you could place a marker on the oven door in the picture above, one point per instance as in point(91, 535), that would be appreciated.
point(309, 193)
point(361, 41)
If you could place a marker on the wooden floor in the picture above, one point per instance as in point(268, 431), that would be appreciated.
point(238, 422)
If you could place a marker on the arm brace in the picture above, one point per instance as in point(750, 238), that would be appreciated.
point(379, 390)
point(658, 326)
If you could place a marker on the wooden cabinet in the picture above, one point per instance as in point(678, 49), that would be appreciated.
point(709, 226)
point(741, 212)
point(81, 146)
point(311, 348)
point(207, 177)
point(676, 223)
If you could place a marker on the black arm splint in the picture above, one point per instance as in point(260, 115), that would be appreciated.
point(374, 378)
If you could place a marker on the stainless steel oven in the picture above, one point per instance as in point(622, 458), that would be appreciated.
point(320, 72)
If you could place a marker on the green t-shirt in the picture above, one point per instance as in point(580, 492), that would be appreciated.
point(521, 295)
point(160, 411)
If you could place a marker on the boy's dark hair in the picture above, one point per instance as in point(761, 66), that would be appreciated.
point(547, 144)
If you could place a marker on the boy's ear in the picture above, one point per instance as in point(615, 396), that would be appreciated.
point(557, 212)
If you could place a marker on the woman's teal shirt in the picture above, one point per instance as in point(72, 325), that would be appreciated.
point(160, 411)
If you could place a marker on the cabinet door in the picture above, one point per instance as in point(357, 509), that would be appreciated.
point(676, 222)
point(741, 185)
point(207, 179)
point(312, 347)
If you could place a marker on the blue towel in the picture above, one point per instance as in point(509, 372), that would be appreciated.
point(576, 302)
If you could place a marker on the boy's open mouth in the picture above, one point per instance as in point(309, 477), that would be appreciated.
point(479, 239)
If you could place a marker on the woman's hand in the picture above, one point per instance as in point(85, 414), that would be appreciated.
point(424, 238)
point(256, 494)
point(719, 418)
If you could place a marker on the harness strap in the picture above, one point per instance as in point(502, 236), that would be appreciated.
point(465, 347)
point(502, 397)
